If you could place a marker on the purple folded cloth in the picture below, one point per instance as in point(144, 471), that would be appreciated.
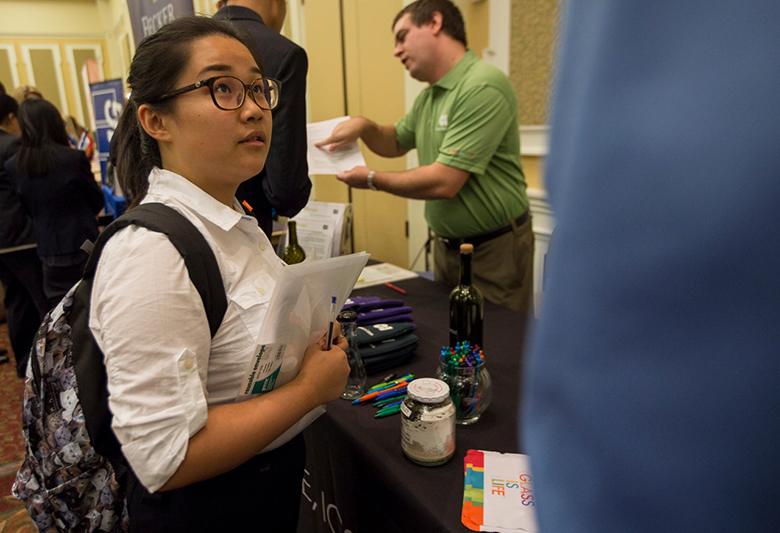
point(367, 303)
point(381, 312)
point(354, 302)
point(365, 321)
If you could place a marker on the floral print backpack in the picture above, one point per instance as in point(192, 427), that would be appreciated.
point(73, 474)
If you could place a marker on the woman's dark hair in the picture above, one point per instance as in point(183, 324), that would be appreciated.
point(42, 130)
point(156, 66)
point(8, 106)
point(422, 11)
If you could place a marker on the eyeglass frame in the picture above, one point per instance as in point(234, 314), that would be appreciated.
point(209, 82)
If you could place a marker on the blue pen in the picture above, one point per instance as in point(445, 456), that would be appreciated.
point(389, 394)
point(331, 323)
point(389, 405)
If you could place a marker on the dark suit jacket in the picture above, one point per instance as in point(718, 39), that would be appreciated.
point(15, 225)
point(62, 204)
point(284, 183)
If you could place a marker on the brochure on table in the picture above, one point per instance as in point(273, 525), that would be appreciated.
point(382, 273)
point(321, 228)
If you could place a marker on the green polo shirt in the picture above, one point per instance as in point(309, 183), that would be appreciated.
point(468, 120)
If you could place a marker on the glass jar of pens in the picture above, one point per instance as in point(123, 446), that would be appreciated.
point(462, 367)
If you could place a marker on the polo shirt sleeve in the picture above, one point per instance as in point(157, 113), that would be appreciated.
point(405, 128)
point(476, 128)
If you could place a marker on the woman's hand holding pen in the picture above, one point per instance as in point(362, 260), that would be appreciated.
point(325, 372)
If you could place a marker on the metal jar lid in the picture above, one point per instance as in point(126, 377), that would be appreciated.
point(428, 390)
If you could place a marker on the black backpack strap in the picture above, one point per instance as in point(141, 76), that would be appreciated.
point(88, 361)
point(197, 254)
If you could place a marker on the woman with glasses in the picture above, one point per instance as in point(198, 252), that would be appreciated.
point(197, 124)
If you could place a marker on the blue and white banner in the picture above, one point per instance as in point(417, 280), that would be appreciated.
point(107, 100)
point(148, 16)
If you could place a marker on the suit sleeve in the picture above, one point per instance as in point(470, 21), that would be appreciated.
point(287, 185)
point(90, 189)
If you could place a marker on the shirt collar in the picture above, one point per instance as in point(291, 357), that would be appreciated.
point(238, 13)
point(165, 184)
point(457, 72)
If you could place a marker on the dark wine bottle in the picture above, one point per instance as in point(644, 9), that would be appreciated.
point(466, 304)
point(293, 253)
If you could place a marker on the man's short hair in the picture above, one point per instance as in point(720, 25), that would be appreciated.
point(422, 11)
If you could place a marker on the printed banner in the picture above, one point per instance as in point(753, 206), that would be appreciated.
point(148, 16)
point(107, 100)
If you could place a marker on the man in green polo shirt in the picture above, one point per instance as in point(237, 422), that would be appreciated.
point(464, 127)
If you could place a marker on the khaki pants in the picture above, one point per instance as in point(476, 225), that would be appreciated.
point(502, 268)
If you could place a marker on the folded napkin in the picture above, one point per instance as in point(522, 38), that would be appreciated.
point(387, 346)
point(373, 333)
point(366, 303)
point(380, 363)
point(385, 315)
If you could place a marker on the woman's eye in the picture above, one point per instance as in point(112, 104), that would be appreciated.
point(223, 88)
point(257, 89)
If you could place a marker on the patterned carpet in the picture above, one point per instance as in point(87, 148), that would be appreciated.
point(13, 516)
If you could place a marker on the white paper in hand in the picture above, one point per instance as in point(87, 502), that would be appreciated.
point(325, 162)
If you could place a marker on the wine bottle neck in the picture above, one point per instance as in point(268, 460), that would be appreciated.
point(293, 236)
point(465, 269)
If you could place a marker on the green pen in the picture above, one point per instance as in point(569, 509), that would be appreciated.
point(387, 411)
point(387, 384)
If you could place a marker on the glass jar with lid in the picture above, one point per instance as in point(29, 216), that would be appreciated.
point(428, 422)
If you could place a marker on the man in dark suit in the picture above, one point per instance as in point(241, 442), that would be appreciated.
point(20, 268)
point(283, 185)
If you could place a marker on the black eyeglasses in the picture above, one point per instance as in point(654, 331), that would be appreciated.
point(228, 92)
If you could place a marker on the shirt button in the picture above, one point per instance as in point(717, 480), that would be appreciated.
point(261, 246)
point(187, 364)
point(260, 291)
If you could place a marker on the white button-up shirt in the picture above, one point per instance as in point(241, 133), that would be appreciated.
point(164, 369)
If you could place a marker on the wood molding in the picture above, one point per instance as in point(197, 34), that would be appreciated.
point(534, 140)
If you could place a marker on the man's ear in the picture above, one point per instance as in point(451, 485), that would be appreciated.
point(436, 22)
point(153, 123)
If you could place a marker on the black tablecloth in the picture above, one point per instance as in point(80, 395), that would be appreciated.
point(357, 479)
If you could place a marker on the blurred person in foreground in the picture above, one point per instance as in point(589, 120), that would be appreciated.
point(653, 383)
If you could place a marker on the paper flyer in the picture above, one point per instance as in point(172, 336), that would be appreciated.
point(497, 493)
point(323, 162)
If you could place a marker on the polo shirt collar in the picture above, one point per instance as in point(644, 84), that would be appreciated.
point(169, 185)
point(457, 72)
point(238, 13)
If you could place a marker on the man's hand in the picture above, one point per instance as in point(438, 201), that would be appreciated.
point(344, 134)
point(355, 177)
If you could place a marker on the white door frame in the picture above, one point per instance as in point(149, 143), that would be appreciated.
point(75, 75)
point(12, 61)
point(57, 69)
